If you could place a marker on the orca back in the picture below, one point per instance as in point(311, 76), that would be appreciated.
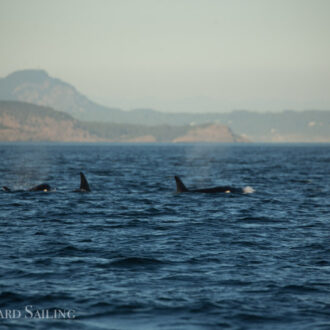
point(41, 187)
point(180, 187)
point(222, 189)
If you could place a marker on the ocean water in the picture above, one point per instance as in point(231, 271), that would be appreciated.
point(133, 254)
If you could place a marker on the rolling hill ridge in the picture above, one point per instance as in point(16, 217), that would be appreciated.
point(20, 121)
point(36, 86)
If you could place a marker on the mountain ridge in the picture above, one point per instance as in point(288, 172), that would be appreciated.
point(36, 86)
point(20, 121)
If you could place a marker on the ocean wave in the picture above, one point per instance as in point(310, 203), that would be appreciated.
point(136, 261)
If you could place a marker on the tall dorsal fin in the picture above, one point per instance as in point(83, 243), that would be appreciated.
point(180, 187)
point(84, 186)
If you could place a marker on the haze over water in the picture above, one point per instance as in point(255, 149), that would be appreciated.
point(132, 254)
point(176, 56)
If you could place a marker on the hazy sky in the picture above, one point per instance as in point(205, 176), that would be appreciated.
point(176, 55)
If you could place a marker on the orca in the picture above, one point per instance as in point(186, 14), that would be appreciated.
point(84, 186)
point(180, 188)
point(40, 187)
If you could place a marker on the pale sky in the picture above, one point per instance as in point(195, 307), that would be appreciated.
point(176, 55)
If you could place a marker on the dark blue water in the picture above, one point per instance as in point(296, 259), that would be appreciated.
point(132, 254)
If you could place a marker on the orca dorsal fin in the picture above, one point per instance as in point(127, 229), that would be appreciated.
point(180, 187)
point(84, 186)
point(5, 188)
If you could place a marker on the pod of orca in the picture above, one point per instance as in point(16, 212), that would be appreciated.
point(180, 188)
point(84, 186)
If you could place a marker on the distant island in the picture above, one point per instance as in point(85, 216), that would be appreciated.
point(89, 121)
point(21, 121)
